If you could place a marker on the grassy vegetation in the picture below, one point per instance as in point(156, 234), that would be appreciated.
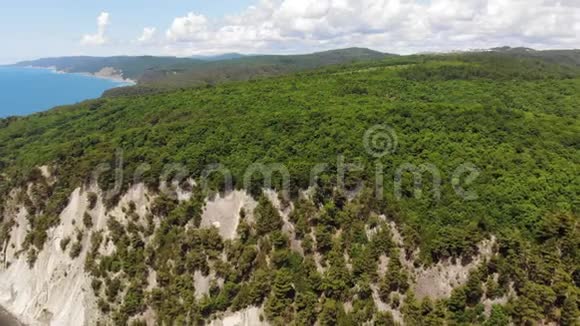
point(515, 119)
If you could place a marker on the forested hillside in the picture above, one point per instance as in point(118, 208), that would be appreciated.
point(131, 67)
point(164, 72)
point(514, 120)
point(562, 57)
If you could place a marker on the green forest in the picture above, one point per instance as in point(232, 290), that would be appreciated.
point(516, 119)
point(170, 72)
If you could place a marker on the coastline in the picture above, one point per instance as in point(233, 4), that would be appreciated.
point(17, 80)
point(106, 73)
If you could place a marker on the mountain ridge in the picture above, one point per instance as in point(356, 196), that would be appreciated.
point(221, 57)
point(191, 70)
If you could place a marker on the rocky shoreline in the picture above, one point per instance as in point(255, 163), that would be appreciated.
point(108, 73)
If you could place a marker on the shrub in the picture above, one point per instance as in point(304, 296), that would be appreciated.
point(104, 306)
point(75, 250)
point(92, 199)
point(163, 205)
point(88, 220)
point(96, 285)
point(132, 207)
point(31, 257)
point(113, 289)
point(64, 243)
point(384, 319)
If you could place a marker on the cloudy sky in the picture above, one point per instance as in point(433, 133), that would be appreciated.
point(39, 28)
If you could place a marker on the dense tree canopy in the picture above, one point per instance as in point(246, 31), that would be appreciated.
point(513, 120)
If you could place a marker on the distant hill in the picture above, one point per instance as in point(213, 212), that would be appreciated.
point(561, 57)
point(182, 72)
point(130, 67)
point(153, 72)
point(219, 57)
point(256, 66)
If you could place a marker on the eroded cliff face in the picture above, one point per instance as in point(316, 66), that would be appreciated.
point(56, 289)
point(245, 317)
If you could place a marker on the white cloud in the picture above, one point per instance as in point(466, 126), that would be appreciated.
point(390, 25)
point(98, 38)
point(192, 27)
point(148, 34)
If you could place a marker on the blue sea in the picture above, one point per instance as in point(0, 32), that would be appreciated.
point(27, 90)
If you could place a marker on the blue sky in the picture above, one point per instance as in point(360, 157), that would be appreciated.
point(36, 28)
point(40, 28)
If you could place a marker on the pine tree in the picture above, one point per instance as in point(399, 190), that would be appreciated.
point(306, 308)
point(329, 314)
point(384, 319)
point(268, 218)
point(570, 315)
point(498, 317)
point(279, 303)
